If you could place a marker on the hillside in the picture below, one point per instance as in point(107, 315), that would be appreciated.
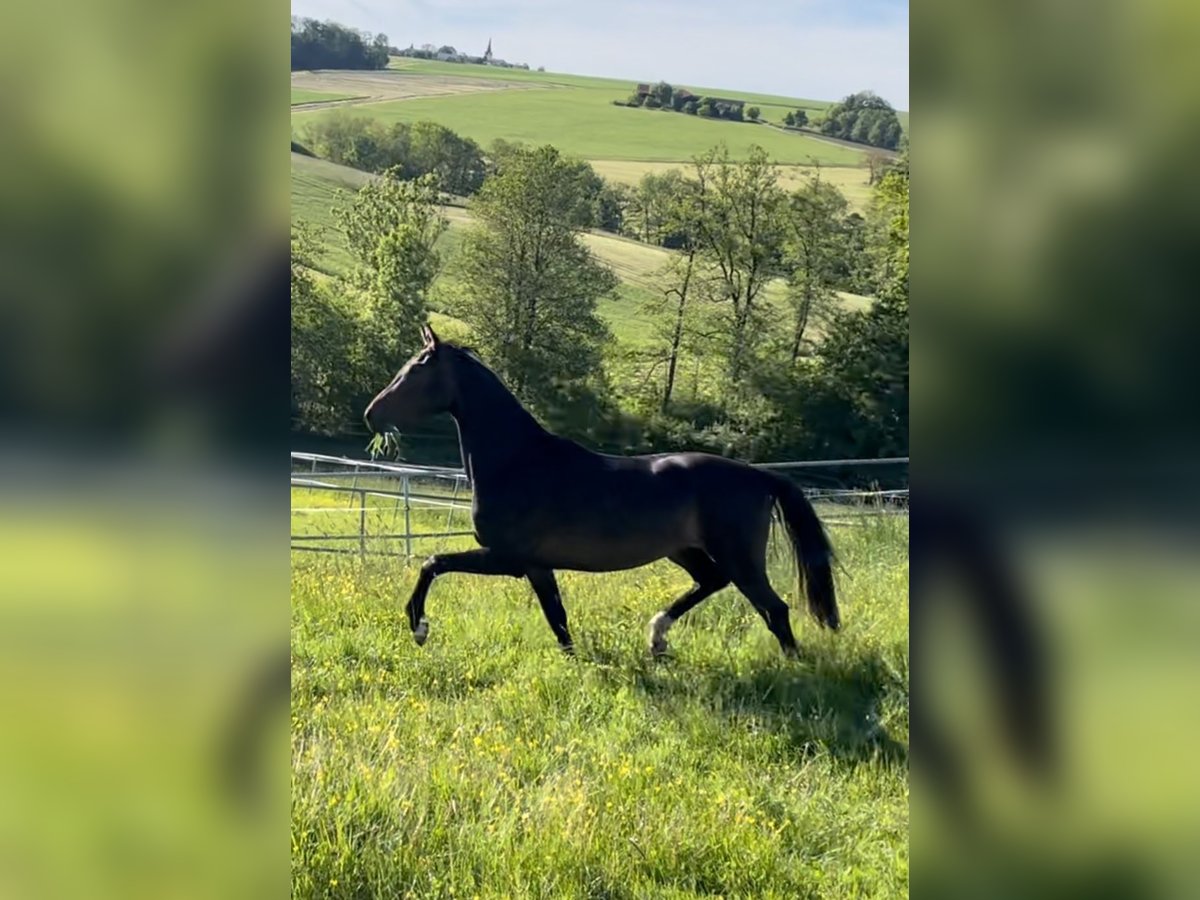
point(575, 113)
point(318, 186)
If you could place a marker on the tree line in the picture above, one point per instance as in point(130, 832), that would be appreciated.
point(410, 150)
point(328, 45)
point(864, 118)
point(667, 97)
point(750, 351)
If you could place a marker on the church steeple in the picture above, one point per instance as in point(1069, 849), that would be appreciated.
point(487, 54)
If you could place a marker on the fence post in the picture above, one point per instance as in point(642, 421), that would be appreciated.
point(453, 500)
point(407, 522)
point(362, 524)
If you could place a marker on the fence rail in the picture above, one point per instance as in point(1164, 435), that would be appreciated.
point(379, 493)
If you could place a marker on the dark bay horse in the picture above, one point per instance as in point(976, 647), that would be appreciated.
point(542, 502)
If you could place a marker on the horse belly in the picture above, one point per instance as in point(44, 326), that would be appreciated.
point(610, 546)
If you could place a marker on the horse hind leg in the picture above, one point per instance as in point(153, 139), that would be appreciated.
point(745, 561)
point(772, 609)
point(709, 579)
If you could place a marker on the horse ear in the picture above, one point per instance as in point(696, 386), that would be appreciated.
point(430, 336)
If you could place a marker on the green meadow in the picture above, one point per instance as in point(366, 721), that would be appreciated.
point(582, 122)
point(487, 763)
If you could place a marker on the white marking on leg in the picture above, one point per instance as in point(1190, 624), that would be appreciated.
point(659, 626)
point(421, 632)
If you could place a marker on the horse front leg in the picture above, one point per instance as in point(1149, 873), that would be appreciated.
point(479, 562)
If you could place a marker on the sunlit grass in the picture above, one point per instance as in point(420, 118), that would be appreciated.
point(488, 763)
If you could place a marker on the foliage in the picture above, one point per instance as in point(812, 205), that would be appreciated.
point(814, 247)
point(323, 334)
point(327, 45)
point(650, 206)
point(799, 118)
point(410, 150)
point(530, 287)
point(349, 335)
point(865, 118)
point(739, 236)
point(753, 112)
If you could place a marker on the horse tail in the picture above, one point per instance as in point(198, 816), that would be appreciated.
point(812, 549)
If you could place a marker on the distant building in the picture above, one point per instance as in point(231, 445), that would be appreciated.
point(487, 54)
point(643, 90)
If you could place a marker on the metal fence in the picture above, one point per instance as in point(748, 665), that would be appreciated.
point(353, 506)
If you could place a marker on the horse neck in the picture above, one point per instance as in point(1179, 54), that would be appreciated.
point(493, 427)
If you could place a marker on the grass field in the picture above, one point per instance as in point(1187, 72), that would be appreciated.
point(488, 764)
point(583, 122)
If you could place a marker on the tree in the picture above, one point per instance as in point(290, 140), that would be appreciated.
point(691, 107)
point(391, 228)
point(432, 148)
point(322, 339)
point(851, 399)
point(662, 91)
point(327, 45)
point(680, 218)
point(814, 248)
point(864, 356)
point(529, 285)
point(753, 113)
point(865, 118)
point(707, 108)
point(739, 232)
point(650, 205)
point(800, 118)
point(789, 119)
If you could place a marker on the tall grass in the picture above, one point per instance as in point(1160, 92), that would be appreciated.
point(487, 763)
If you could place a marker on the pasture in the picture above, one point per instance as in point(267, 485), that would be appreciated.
point(487, 763)
point(583, 122)
point(573, 112)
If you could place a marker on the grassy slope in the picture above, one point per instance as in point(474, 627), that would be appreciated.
point(315, 191)
point(773, 105)
point(581, 121)
point(486, 763)
point(576, 114)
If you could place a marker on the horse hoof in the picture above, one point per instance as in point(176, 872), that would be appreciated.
point(658, 634)
point(421, 632)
